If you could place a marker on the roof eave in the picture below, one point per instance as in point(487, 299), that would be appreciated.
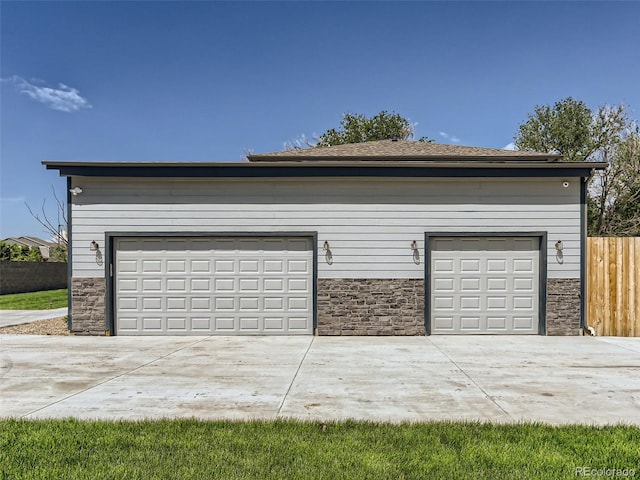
point(401, 158)
point(326, 169)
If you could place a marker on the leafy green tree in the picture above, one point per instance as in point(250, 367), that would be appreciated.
point(573, 130)
point(356, 128)
point(5, 252)
point(19, 253)
point(565, 128)
point(58, 253)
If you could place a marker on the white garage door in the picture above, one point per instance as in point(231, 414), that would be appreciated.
point(484, 285)
point(213, 286)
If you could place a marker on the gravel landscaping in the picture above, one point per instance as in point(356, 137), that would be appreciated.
point(55, 326)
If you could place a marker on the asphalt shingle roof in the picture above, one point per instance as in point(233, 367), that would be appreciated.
point(400, 150)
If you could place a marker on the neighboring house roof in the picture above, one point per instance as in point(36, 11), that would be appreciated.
point(384, 158)
point(28, 241)
point(400, 149)
point(33, 242)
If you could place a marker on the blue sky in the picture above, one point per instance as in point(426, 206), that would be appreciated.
point(208, 81)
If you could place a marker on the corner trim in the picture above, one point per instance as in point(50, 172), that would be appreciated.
point(583, 253)
point(69, 257)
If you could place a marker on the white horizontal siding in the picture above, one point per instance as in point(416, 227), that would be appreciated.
point(368, 223)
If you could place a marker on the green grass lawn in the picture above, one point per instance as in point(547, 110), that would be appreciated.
point(34, 300)
point(183, 449)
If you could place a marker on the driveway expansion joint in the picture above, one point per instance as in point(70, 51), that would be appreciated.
point(284, 398)
point(79, 392)
point(484, 392)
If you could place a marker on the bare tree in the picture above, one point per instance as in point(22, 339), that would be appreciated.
point(57, 230)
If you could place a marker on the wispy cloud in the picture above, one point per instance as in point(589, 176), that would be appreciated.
point(63, 98)
point(509, 146)
point(450, 138)
point(20, 199)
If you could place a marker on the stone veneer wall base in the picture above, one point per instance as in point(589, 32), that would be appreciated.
point(351, 306)
point(563, 306)
point(88, 315)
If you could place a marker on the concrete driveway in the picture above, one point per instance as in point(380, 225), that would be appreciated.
point(490, 378)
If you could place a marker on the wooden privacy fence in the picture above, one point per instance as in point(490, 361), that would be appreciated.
point(613, 285)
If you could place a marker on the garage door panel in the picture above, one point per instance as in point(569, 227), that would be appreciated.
point(249, 284)
point(274, 303)
point(128, 323)
point(249, 324)
point(225, 285)
point(199, 284)
point(225, 303)
point(224, 266)
point(203, 324)
point(177, 324)
point(471, 284)
point(469, 323)
point(523, 284)
point(496, 323)
point(151, 303)
point(523, 323)
point(151, 323)
point(181, 286)
point(523, 265)
point(469, 303)
point(496, 303)
point(273, 285)
point(151, 266)
point(273, 266)
point(443, 266)
point(298, 324)
point(200, 304)
point(484, 285)
point(226, 324)
point(249, 304)
point(177, 285)
point(176, 303)
point(497, 284)
point(273, 323)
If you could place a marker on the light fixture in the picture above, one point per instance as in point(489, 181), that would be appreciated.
point(94, 247)
point(559, 253)
point(75, 191)
point(416, 252)
point(328, 256)
point(565, 184)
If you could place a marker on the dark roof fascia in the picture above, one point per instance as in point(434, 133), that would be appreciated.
point(326, 169)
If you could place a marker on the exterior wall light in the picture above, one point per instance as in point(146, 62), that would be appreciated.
point(559, 253)
point(416, 252)
point(75, 191)
point(328, 256)
point(94, 247)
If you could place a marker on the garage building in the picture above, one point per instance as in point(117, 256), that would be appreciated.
point(377, 238)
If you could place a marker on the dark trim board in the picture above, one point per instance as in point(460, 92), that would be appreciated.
point(331, 169)
point(542, 283)
point(110, 238)
point(583, 253)
point(69, 257)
